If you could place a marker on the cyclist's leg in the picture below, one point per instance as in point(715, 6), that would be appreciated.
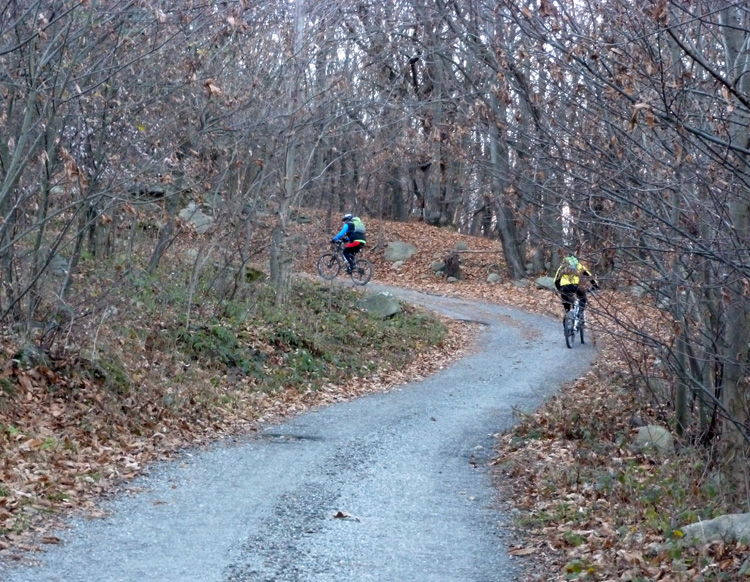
point(355, 250)
point(582, 297)
point(567, 293)
point(349, 250)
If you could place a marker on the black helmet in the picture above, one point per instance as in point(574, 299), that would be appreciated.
point(347, 217)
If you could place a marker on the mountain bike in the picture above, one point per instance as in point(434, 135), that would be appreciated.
point(330, 264)
point(574, 323)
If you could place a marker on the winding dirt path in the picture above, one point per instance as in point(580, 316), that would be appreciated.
point(390, 487)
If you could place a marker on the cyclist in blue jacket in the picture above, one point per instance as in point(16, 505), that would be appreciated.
point(353, 232)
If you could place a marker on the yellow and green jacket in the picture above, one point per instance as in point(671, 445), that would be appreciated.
point(563, 276)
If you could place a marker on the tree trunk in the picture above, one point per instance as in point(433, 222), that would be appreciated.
point(734, 389)
point(280, 262)
point(682, 388)
point(506, 224)
point(452, 266)
point(171, 201)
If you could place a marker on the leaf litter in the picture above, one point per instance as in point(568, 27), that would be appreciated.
point(565, 471)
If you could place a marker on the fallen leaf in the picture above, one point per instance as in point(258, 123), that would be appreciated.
point(522, 551)
point(343, 515)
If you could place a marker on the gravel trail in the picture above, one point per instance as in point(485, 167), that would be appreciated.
point(391, 487)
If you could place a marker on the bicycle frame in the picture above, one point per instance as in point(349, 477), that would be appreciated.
point(576, 313)
point(338, 247)
point(573, 323)
point(329, 265)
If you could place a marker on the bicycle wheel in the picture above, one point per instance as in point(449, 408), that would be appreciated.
point(362, 272)
point(580, 328)
point(570, 333)
point(329, 265)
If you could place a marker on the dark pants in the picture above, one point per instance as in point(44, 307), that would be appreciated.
point(351, 249)
point(568, 294)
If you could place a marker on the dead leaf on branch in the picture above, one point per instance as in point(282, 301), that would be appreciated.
point(636, 109)
point(211, 88)
point(660, 12)
point(725, 94)
point(546, 8)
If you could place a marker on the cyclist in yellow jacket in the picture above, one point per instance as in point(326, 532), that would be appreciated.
point(568, 282)
point(353, 232)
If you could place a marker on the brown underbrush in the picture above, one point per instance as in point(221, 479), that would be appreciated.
point(132, 388)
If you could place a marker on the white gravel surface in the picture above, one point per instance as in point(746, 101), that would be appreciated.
point(391, 487)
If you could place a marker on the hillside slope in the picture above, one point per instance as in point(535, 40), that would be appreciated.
point(589, 507)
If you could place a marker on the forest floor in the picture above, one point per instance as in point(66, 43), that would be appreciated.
point(588, 506)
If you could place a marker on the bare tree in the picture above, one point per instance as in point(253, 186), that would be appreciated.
point(653, 164)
